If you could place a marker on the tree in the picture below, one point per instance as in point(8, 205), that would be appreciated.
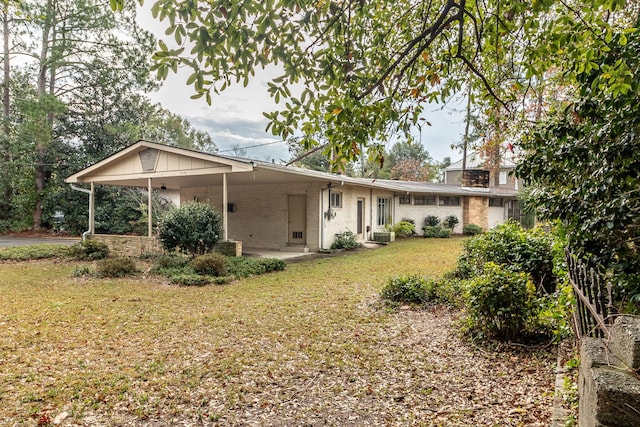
point(410, 161)
point(71, 47)
point(581, 167)
point(362, 71)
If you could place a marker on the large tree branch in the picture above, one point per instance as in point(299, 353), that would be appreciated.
point(436, 29)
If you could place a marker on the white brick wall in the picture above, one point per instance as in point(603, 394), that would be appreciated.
point(420, 212)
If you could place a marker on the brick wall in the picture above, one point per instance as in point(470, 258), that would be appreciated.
point(129, 245)
point(476, 211)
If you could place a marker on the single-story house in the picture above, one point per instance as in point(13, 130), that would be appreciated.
point(272, 206)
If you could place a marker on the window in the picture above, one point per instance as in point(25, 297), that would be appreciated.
point(449, 201)
point(496, 203)
point(405, 199)
point(502, 179)
point(424, 200)
point(336, 200)
point(384, 211)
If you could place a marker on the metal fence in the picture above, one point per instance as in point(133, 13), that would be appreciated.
point(592, 315)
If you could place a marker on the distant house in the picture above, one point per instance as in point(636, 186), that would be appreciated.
point(272, 206)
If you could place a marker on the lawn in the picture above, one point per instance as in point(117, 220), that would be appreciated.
point(311, 345)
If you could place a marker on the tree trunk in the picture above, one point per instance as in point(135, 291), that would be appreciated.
point(5, 204)
point(43, 137)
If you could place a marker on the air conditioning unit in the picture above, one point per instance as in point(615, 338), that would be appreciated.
point(384, 236)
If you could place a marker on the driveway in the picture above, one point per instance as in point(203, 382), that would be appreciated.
point(9, 241)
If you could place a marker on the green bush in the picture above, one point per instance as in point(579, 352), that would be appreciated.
point(436, 231)
point(171, 261)
point(345, 240)
point(451, 221)
point(404, 229)
point(501, 303)
point(272, 264)
point(405, 289)
point(89, 250)
point(25, 253)
point(245, 267)
point(520, 250)
point(193, 228)
point(211, 264)
point(190, 279)
point(409, 220)
point(431, 221)
point(168, 265)
point(471, 230)
point(116, 267)
point(420, 290)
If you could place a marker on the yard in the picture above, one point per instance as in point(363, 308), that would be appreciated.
point(308, 346)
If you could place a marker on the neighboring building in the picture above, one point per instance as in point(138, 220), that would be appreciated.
point(480, 177)
point(273, 206)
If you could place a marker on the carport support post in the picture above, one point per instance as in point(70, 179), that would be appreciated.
point(225, 207)
point(92, 209)
point(150, 200)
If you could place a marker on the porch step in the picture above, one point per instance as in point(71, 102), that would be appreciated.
point(295, 248)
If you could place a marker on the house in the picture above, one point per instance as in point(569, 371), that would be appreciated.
point(479, 176)
point(271, 206)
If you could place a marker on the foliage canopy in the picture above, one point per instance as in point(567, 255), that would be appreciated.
point(358, 72)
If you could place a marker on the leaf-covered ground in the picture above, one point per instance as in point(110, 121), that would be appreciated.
point(307, 346)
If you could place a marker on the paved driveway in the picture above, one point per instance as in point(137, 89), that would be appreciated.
point(8, 241)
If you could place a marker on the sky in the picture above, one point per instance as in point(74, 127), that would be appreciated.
point(235, 117)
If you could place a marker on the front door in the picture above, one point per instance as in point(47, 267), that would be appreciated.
point(360, 220)
point(297, 220)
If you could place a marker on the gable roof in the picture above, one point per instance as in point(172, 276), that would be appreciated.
point(134, 165)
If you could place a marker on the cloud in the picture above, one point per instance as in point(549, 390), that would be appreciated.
point(247, 134)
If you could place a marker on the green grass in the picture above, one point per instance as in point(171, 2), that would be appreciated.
point(115, 350)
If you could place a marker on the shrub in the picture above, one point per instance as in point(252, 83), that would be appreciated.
point(89, 250)
point(171, 265)
point(171, 261)
point(345, 240)
point(407, 289)
point(404, 229)
point(211, 264)
point(116, 267)
point(471, 230)
point(25, 253)
point(273, 264)
point(431, 221)
point(193, 228)
point(451, 221)
point(528, 251)
point(501, 303)
point(436, 231)
point(190, 279)
point(245, 267)
point(409, 220)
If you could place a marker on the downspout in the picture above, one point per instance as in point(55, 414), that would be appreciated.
point(90, 193)
point(322, 219)
point(370, 213)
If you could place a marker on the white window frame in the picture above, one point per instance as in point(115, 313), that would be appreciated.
point(502, 178)
point(336, 199)
point(384, 211)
